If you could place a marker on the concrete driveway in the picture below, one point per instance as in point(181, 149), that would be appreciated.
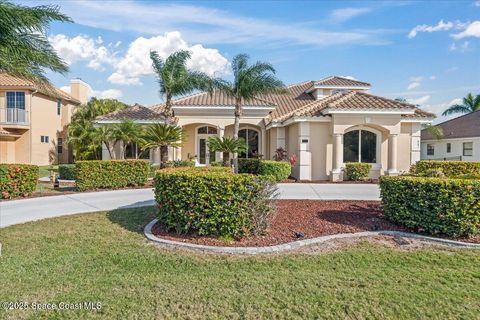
point(20, 211)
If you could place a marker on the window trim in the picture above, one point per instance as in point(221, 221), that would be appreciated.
point(258, 138)
point(59, 145)
point(449, 147)
point(432, 148)
point(375, 165)
point(44, 139)
point(467, 149)
point(15, 100)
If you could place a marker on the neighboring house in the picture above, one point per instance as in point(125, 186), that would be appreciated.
point(325, 123)
point(460, 141)
point(33, 120)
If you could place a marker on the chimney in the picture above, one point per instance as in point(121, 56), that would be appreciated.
point(80, 90)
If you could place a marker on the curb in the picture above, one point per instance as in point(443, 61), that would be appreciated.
point(296, 244)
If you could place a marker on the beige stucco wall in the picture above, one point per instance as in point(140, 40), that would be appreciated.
point(321, 149)
point(291, 143)
point(404, 145)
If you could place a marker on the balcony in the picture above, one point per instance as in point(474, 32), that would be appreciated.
point(14, 116)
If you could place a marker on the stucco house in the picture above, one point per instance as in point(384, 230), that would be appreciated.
point(325, 123)
point(460, 141)
point(33, 120)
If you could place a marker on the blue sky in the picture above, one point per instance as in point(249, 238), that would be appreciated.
point(427, 52)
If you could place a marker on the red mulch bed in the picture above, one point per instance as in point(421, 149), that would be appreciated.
point(311, 217)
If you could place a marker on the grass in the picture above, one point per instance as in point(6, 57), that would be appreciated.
point(44, 171)
point(104, 257)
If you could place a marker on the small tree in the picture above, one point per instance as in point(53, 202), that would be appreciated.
point(227, 145)
point(127, 131)
point(162, 136)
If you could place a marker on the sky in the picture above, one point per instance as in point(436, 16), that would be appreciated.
point(427, 52)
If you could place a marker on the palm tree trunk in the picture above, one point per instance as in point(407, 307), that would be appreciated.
point(163, 155)
point(168, 108)
point(236, 128)
point(226, 159)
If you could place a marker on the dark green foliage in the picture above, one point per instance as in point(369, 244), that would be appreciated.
point(66, 171)
point(449, 168)
point(213, 201)
point(279, 170)
point(179, 164)
point(17, 180)
point(111, 174)
point(433, 205)
point(357, 170)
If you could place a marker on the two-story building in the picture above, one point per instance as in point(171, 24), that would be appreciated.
point(33, 120)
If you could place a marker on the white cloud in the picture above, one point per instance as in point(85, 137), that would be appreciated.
point(105, 94)
point(137, 63)
point(461, 48)
point(416, 79)
point(82, 48)
point(432, 77)
point(419, 101)
point(413, 85)
point(349, 77)
point(471, 30)
point(441, 26)
point(343, 14)
point(440, 107)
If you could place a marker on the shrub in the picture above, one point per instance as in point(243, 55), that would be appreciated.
point(279, 170)
point(280, 154)
point(213, 201)
point(357, 170)
point(179, 164)
point(216, 164)
point(433, 205)
point(449, 168)
point(66, 171)
point(17, 180)
point(111, 174)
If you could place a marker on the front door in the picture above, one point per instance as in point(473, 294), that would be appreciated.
point(204, 155)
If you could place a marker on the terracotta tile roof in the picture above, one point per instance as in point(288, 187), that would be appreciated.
point(8, 81)
point(135, 112)
point(465, 126)
point(336, 81)
point(419, 113)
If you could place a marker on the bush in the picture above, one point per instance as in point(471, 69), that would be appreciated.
point(433, 205)
point(213, 201)
point(179, 164)
point(279, 170)
point(17, 180)
point(111, 174)
point(357, 170)
point(66, 171)
point(449, 168)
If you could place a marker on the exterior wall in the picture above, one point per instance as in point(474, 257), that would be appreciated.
point(292, 147)
point(188, 148)
point(457, 149)
point(404, 145)
point(321, 146)
point(7, 150)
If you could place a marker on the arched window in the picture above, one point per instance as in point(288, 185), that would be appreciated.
point(204, 156)
point(251, 137)
point(360, 146)
point(207, 130)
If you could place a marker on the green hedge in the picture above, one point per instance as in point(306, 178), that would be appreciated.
point(17, 180)
point(213, 201)
point(279, 170)
point(357, 170)
point(111, 174)
point(433, 205)
point(66, 171)
point(179, 164)
point(449, 168)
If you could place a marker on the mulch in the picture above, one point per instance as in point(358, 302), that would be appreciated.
point(310, 218)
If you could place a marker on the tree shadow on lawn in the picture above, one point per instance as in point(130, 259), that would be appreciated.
point(132, 219)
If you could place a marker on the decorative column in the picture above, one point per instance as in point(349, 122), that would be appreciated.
point(304, 155)
point(415, 143)
point(392, 155)
point(105, 153)
point(338, 151)
point(156, 156)
point(280, 143)
point(264, 143)
point(221, 134)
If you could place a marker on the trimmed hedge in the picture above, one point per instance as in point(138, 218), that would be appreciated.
point(213, 201)
point(279, 170)
point(449, 168)
point(357, 170)
point(66, 171)
point(433, 205)
point(17, 180)
point(179, 164)
point(111, 174)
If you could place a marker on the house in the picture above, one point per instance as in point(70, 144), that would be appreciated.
point(325, 123)
point(33, 120)
point(460, 140)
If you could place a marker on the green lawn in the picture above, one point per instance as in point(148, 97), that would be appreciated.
point(104, 257)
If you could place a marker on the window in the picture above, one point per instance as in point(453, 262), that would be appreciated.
point(207, 130)
point(360, 146)
point(131, 151)
point(430, 149)
point(449, 147)
point(60, 146)
point(16, 107)
point(44, 139)
point(59, 106)
point(251, 137)
point(468, 148)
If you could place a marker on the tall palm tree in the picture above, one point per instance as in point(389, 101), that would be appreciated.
point(175, 79)
point(470, 104)
point(249, 82)
point(24, 48)
point(129, 132)
point(162, 136)
point(106, 135)
point(227, 145)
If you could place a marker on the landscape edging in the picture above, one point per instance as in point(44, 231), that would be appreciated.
point(295, 244)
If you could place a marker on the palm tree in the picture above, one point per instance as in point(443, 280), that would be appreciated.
point(249, 82)
point(227, 145)
point(162, 136)
point(129, 132)
point(106, 135)
point(435, 131)
point(24, 48)
point(470, 104)
point(175, 79)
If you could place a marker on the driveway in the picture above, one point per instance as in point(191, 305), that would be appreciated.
point(19, 211)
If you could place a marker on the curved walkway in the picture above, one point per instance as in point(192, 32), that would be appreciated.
point(24, 210)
